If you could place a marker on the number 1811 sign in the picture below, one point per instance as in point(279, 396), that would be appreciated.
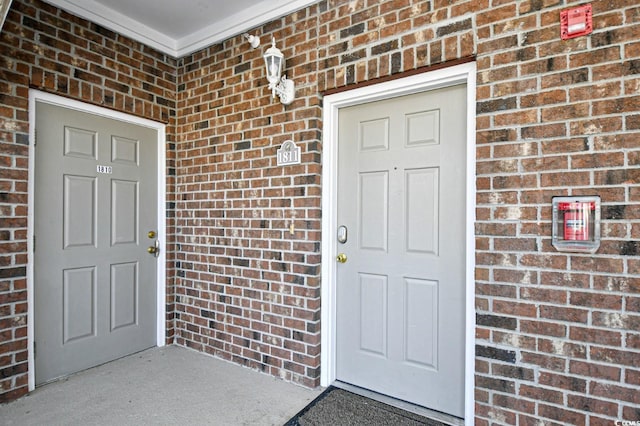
point(288, 153)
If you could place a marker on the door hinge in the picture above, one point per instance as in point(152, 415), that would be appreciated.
point(35, 137)
point(34, 243)
point(35, 350)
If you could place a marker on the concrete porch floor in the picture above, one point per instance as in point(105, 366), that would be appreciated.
point(161, 386)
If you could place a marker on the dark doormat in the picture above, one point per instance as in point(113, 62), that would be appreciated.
point(338, 407)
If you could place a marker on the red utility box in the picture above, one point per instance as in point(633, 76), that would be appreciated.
point(576, 224)
point(576, 22)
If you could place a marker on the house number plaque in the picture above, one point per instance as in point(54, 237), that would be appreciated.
point(288, 153)
point(104, 169)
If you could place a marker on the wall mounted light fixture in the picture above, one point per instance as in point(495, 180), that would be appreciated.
point(273, 60)
point(254, 41)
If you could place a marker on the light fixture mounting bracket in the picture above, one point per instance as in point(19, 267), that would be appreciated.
point(285, 89)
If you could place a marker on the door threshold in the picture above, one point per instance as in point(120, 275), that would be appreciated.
point(403, 405)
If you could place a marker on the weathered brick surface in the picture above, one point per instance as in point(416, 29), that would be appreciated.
point(557, 336)
point(555, 121)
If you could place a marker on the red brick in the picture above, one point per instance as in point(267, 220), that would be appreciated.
point(562, 348)
point(544, 261)
point(591, 161)
point(568, 314)
point(606, 390)
point(592, 335)
point(525, 420)
point(593, 405)
point(515, 276)
point(511, 403)
point(632, 377)
point(620, 357)
point(542, 328)
point(599, 371)
point(540, 393)
point(626, 284)
point(630, 412)
point(616, 141)
point(632, 304)
point(545, 163)
point(559, 381)
point(565, 179)
point(565, 416)
point(633, 341)
point(616, 320)
point(597, 264)
point(516, 309)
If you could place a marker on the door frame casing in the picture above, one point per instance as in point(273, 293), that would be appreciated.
point(36, 96)
point(458, 74)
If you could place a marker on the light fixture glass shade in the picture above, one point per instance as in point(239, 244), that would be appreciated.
point(273, 61)
point(278, 84)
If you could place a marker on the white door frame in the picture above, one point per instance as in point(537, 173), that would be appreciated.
point(459, 74)
point(39, 96)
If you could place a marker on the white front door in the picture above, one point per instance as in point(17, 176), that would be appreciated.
point(400, 309)
point(95, 206)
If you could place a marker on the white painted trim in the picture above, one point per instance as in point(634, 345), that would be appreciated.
point(38, 96)
point(470, 337)
point(218, 31)
point(98, 13)
point(260, 13)
point(465, 73)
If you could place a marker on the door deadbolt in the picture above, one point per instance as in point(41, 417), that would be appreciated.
point(154, 249)
point(151, 234)
point(342, 234)
point(341, 258)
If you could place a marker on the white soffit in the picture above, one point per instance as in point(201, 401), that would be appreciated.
point(180, 27)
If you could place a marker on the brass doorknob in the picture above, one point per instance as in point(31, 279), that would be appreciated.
point(154, 249)
point(341, 258)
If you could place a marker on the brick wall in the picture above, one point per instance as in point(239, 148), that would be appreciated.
point(557, 337)
point(45, 48)
point(558, 334)
point(248, 289)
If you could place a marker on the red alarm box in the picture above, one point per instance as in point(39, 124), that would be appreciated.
point(576, 223)
point(576, 22)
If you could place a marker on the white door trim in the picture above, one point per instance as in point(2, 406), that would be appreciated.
point(39, 96)
point(459, 74)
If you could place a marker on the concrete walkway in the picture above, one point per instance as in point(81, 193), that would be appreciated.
point(161, 386)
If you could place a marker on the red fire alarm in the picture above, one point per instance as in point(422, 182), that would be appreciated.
point(576, 22)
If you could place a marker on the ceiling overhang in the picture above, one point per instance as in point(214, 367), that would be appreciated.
point(219, 29)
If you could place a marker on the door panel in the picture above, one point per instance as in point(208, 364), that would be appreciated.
point(124, 214)
point(80, 143)
point(423, 128)
point(79, 211)
point(374, 197)
point(79, 292)
point(373, 309)
point(95, 200)
point(400, 295)
point(421, 322)
point(422, 207)
point(124, 295)
point(124, 151)
point(374, 135)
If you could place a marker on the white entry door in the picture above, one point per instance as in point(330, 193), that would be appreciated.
point(95, 217)
point(400, 292)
